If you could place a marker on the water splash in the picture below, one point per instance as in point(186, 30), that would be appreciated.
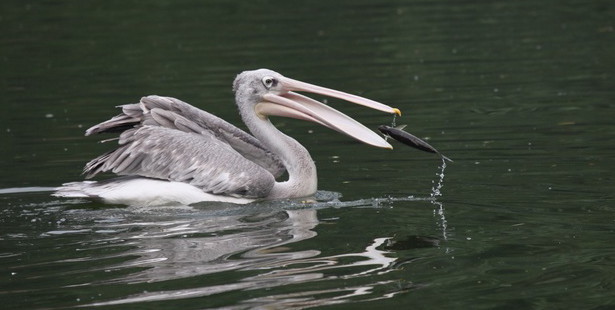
point(442, 223)
point(436, 192)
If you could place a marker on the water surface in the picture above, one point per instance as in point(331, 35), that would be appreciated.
point(519, 94)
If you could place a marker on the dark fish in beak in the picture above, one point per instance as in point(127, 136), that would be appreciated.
point(408, 139)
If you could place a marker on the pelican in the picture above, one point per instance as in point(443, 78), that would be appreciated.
point(172, 152)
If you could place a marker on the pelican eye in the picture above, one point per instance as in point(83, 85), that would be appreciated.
point(269, 82)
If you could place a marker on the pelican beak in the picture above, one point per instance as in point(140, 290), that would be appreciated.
point(291, 104)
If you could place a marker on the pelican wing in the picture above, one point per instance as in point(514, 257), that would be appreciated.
point(199, 159)
point(180, 116)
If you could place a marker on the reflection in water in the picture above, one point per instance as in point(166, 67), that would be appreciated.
point(439, 210)
point(253, 242)
point(193, 248)
point(252, 248)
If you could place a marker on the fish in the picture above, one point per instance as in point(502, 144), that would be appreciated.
point(406, 138)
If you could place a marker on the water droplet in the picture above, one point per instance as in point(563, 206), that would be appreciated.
point(435, 191)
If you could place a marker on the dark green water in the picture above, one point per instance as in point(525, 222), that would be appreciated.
point(519, 93)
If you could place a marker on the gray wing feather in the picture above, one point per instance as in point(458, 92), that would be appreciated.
point(198, 159)
point(175, 114)
point(166, 138)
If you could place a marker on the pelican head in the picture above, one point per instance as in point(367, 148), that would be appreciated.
point(264, 92)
